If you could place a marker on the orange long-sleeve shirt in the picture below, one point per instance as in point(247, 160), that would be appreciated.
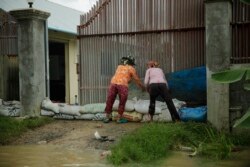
point(124, 74)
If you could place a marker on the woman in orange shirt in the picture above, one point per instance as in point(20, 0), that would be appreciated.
point(125, 72)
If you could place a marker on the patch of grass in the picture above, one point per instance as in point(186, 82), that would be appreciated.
point(12, 127)
point(240, 138)
point(216, 145)
point(138, 146)
point(155, 141)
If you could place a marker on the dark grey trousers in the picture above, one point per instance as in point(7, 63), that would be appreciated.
point(160, 89)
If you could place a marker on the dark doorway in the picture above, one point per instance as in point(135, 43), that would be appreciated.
point(57, 71)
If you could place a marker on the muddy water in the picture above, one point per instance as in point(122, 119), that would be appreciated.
point(49, 156)
point(181, 159)
point(56, 156)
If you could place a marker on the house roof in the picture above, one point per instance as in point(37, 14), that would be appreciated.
point(61, 18)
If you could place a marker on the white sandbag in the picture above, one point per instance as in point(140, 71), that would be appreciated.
point(16, 103)
point(11, 103)
point(179, 104)
point(69, 109)
point(165, 116)
point(142, 106)
point(130, 105)
point(145, 118)
point(130, 116)
point(99, 116)
point(93, 108)
point(48, 105)
point(86, 116)
point(47, 113)
point(11, 111)
point(63, 116)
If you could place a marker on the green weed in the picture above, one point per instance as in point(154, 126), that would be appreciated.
point(11, 127)
point(155, 141)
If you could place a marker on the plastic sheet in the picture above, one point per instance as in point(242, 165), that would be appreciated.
point(197, 114)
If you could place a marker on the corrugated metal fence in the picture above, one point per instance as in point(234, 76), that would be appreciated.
point(241, 33)
point(169, 31)
point(9, 81)
point(8, 34)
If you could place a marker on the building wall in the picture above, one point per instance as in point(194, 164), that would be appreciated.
point(73, 77)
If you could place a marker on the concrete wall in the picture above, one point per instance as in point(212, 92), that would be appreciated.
point(218, 15)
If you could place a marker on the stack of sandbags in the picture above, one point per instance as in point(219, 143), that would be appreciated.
point(135, 110)
point(162, 113)
point(130, 105)
point(59, 110)
point(94, 111)
point(130, 114)
point(10, 108)
point(49, 108)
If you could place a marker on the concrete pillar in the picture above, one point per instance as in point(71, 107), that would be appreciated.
point(31, 54)
point(218, 15)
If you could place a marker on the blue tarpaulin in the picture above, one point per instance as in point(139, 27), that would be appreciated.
point(188, 85)
point(197, 114)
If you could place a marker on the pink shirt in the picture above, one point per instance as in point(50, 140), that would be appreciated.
point(154, 75)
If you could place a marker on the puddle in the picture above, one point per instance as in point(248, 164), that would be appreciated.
point(57, 156)
point(49, 156)
point(180, 159)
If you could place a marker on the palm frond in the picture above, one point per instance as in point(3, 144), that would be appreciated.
point(229, 76)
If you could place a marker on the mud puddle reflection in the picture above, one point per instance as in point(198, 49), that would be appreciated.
point(49, 156)
point(58, 156)
point(181, 159)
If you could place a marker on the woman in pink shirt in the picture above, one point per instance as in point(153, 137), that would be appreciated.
point(157, 85)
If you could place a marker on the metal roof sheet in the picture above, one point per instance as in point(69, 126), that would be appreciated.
point(61, 19)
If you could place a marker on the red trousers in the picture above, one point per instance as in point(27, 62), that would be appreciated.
point(122, 92)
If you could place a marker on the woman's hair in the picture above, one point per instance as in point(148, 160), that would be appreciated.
point(128, 60)
point(152, 63)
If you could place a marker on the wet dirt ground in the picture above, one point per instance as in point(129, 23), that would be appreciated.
point(73, 143)
point(77, 134)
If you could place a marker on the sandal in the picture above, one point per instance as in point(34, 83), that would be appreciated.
point(106, 120)
point(122, 120)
